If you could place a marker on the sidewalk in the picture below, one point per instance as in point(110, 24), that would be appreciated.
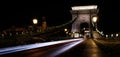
point(108, 41)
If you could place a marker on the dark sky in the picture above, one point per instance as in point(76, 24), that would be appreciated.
point(21, 13)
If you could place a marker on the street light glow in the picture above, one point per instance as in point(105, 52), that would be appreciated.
point(117, 35)
point(94, 19)
point(35, 21)
point(106, 36)
point(111, 35)
point(65, 29)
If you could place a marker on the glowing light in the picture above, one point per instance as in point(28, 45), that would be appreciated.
point(65, 29)
point(87, 31)
point(67, 32)
point(73, 32)
point(35, 21)
point(106, 35)
point(84, 7)
point(117, 35)
point(111, 35)
point(76, 35)
point(32, 46)
point(94, 19)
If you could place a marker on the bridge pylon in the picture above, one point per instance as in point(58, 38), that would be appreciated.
point(84, 16)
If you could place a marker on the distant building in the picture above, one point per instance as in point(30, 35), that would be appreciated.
point(44, 24)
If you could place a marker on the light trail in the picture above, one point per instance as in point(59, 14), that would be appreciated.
point(64, 48)
point(32, 46)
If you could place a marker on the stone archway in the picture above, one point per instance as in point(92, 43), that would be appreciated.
point(84, 26)
point(84, 15)
point(82, 19)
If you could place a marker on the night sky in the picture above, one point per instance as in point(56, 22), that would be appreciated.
point(21, 13)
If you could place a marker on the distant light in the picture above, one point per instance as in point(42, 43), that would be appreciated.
point(73, 32)
point(76, 35)
point(111, 35)
point(35, 21)
point(65, 29)
point(66, 32)
point(84, 7)
point(69, 33)
point(117, 35)
point(94, 19)
point(80, 35)
point(87, 31)
point(106, 35)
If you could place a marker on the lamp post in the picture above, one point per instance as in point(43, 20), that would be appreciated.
point(35, 22)
point(94, 20)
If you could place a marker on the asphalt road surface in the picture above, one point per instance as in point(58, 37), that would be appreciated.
point(87, 48)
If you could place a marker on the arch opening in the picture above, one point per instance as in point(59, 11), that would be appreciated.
point(84, 28)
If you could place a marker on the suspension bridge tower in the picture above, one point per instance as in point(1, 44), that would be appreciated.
point(83, 15)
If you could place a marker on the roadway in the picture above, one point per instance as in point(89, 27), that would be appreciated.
point(47, 49)
point(77, 48)
point(95, 48)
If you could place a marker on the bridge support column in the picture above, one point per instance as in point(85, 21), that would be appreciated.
point(84, 14)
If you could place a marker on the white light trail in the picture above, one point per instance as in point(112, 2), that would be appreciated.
point(64, 48)
point(32, 46)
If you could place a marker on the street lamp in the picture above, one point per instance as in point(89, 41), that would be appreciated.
point(65, 29)
point(94, 20)
point(35, 21)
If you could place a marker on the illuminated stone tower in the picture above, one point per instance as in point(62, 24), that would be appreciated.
point(84, 14)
